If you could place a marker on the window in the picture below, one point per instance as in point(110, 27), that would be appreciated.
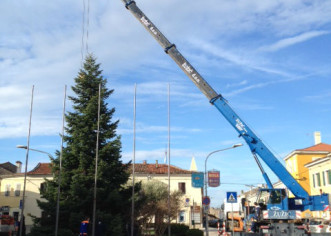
point(43, 187)
point(275, 197)
point(181, 217)
point(16, 214)
point(323, 177)
point(181, 187)
point(318, 179)
point(328, 174)
point(7, 191)
point(18, 190)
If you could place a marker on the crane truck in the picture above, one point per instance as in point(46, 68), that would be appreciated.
point(280, 208)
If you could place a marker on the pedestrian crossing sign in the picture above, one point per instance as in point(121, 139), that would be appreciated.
point(231, 197)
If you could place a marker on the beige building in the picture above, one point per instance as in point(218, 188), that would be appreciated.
point(320, 181)
point(7, 169)
point(181, 180)
point(12, 192)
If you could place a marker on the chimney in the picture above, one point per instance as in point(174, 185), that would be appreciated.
point(156, 164)
point(317, 137)
point(19, 167)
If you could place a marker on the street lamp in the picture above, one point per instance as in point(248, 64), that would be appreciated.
point(58, 190)
point(220, 150)
point(36, 150)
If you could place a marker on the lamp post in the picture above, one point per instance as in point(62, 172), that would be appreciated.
point(58, 198)
point(35, 150)
point(220, 150)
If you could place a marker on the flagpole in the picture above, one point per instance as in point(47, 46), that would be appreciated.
point(133, 157)
point(26, 166)
point(96, 165)
point(60, 164)
point(169, 210)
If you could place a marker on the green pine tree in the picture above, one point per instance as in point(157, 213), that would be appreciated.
point(78, 163)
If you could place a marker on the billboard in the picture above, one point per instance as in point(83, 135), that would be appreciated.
point(197, 180)
point(214, 178)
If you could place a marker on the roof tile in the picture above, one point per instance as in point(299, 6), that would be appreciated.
point(46, 169)
point(321, 147)
point(41, 169)
point(8, 167)
point(158, 169)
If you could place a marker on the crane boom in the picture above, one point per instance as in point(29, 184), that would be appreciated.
point(256, 145)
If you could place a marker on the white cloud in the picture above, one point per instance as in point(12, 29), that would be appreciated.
point(322, 98)
point(287, 42)
point(247, 61)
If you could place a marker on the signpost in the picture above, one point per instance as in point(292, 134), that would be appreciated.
point(231, 197)
point(187, 202)
point(205, 203)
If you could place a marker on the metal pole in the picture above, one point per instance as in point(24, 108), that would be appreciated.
point(96, 165)
point(169, 206)
point(205, 210)
point(134, 157)
point(26, 165)
point(232, 219)
point(60, 167)
point(220, 150)
point(193, 214)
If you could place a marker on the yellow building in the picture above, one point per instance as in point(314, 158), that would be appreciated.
point(12, 192)
point(296, 161)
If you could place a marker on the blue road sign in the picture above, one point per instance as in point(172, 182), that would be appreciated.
point(231, 197)
point(197, 180)
point(206, 201)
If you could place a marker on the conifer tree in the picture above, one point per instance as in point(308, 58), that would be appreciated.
point(78, 163)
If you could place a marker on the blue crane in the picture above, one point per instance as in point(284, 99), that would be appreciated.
point(302, 200)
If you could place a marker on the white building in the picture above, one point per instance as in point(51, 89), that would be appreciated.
point(181, 180)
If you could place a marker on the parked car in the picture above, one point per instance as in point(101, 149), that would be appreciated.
point(328, 229)
point(318, 225)
point(213, 223)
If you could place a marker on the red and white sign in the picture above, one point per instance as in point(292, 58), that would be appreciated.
point(214, 178)
point(326, 208)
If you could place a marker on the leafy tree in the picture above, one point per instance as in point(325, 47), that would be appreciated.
point(78, 163)
point(155, 209)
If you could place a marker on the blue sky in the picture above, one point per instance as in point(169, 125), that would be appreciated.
point(269, 59)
